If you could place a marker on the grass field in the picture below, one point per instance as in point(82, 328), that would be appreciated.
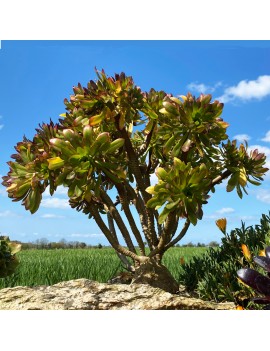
point(47, 267)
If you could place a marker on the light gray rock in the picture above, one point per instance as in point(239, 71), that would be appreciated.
point(83, 294)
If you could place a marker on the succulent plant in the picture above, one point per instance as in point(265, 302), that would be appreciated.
point(8, 260)
point(113, 136)
point(258, 281)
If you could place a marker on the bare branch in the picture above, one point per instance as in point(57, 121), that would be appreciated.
point(220, 178)
point(122, 257)
point(125, 204)
point(115, 244)
point(118, 219)
point(147, 140)
point(179, 236)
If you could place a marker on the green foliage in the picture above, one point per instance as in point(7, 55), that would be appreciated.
point(181, 184)
point(8, 260)
point(213, 275)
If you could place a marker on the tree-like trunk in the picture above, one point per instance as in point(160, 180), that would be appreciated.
point(156, 275)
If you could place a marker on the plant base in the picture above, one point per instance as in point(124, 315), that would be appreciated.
point(157, 276)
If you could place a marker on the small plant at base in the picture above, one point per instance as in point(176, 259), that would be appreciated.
point(8, 260)
point(258, 281)
point(213, 275)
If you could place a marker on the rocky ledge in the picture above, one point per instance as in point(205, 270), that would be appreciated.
point(83, 294)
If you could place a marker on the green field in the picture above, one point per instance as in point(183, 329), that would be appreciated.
point(47, 267)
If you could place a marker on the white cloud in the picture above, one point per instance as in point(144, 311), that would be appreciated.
point(51, 215)
point(7, 214)
point(61, 190)
point(242, 137)
point(55, 202)
point(203, 88)
point(218, 213)
point(267, 137)
point(3, 191)
point(247, 90)
point(225, 210)
point(263, 195)
point(76, 235)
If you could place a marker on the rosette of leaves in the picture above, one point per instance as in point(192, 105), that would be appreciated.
point(8, 260)
point(181, 189)
point(244, 167)
point(258, 281)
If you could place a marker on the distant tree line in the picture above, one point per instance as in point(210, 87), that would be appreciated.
point(45, 244)
point(190, 244)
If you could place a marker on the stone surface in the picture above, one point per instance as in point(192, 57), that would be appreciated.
point(83, 294)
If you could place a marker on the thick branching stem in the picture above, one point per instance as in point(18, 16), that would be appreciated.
point(179, 236)
point(221, 177)
point(122, 257)
point(115, 244)
point(118, 219)
point(139, 204)
point(146, 143)
point(135, 168)
point(125, 204)
point(171, 225)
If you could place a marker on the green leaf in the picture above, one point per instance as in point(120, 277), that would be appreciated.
point(150, 113)
point(164, 214)
point(171, 205)
point(152, 203)
point(148, 127)
point(55, 163)
point(150, 190)
point(93, 121)
point(88, 104)
point(161, 173)
point(169, 143)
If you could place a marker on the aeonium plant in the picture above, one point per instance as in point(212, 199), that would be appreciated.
point(105, 150)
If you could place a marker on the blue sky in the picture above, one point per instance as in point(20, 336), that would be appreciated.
point(36, 76)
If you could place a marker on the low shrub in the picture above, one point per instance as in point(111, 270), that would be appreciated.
point(213, 275)
point(8, 260)
point(259, 282)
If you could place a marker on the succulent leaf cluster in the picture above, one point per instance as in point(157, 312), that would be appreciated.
point(245, 167)
point(8, 259)
point(258, 281)
point(181, 188)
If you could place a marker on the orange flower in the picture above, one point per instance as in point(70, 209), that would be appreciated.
point(246, 252)
point(262, 253)
point(182, 261)
point(221, 224)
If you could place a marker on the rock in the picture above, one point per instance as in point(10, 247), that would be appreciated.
point(83, 294)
